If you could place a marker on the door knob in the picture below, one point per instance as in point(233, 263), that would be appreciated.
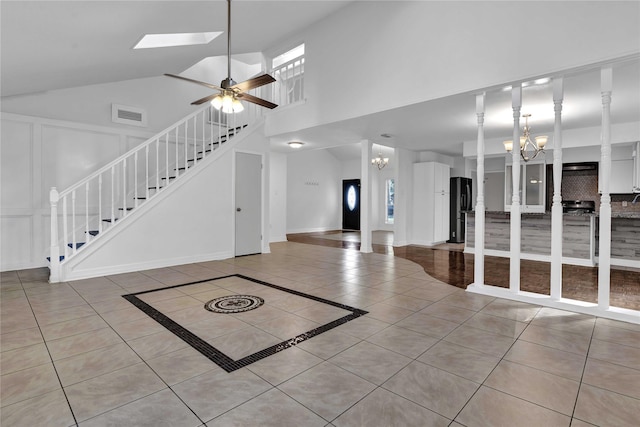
point(238, 209)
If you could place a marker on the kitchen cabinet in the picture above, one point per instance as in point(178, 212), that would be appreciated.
point(621, 176)
point(430, 203)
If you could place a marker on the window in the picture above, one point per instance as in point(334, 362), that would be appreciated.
point(389, 196)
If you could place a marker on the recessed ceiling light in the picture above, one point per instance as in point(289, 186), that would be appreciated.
point(296, 144)
point(177, 39)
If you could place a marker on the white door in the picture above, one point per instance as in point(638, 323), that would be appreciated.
point(248, 204)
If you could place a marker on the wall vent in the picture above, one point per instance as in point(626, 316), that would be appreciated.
point(126, 115)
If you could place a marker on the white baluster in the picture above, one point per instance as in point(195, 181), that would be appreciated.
point(74, 249)
point(195, 140)
point(135, 179)
point(113, 194)
point(158, 165)
point(186, 144)
point(166, 148)
point(124, 187)
point(177, 163)
point(556, 207)
point(86, 212)
point(514, 265)
point(65, 230)
point(604, 252)
point(99, 203)
point(211, 112)
point(146, 172)
point(54, 250)
point(204, 118)
point(478, 259)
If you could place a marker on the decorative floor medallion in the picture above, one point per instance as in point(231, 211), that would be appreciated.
point(237, 304)
point(234, 304)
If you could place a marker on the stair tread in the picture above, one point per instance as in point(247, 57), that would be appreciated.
point(78, 245)
point(121, 209)
point(61, 258)
point(171, 177)
point(93, 232)
point(109, 219)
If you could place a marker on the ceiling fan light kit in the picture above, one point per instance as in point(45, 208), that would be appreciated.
point(231, 93)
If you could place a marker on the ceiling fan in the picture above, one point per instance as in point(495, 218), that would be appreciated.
point(231, 93)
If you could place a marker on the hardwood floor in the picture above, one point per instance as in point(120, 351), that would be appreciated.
point(449, 264)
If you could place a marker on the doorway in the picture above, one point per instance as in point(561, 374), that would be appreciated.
point(351, 204)
point(248, 194)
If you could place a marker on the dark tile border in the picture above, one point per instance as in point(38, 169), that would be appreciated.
point(218, 357)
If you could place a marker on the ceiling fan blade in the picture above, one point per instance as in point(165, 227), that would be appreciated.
point(256, 100)
point(205, 99)
point(255, 82)
point(209, 85)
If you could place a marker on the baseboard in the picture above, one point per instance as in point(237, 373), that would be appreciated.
point(129, 268)
point(313, 230)
point(278, 239)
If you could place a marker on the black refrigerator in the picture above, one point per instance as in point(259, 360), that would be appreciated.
point(461, 201)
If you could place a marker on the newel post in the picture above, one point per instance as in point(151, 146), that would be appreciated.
point(54, 263)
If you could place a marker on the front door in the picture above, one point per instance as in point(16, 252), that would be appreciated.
point(248, 204)
point(351, 204)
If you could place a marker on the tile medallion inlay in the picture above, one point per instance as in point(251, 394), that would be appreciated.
point(234, 302)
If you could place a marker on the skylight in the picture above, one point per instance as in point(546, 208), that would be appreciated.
point(177, 39)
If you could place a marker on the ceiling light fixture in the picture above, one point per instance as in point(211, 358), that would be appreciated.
point(380, 161)
point(296, 144)
point(528, 149)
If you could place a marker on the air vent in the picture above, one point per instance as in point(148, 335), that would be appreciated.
point(126, 115)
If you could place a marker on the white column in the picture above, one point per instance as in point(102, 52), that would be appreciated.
point(54, 254)
point(478, 259)
point(514, 273)
point(604, 253)
point(401, 164)
point(365, 196)
point(556, 208)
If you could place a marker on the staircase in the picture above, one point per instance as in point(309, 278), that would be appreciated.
point(95, 207)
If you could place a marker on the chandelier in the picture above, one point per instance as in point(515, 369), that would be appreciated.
point(227, 101)
point(528, 149)
point(380, 161)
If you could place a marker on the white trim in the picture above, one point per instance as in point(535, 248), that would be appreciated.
point(141, 266)
point(615, 313)
point(534, 257)
point(313, 230)
point(621, 262)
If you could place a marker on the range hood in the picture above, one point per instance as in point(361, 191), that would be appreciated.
point(584, 166)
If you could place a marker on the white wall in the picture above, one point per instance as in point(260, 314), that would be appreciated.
point(314, 192)
point(278, 196)
point(38, 154)
point(431, 45)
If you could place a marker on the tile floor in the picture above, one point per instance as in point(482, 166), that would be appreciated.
point(426, 354)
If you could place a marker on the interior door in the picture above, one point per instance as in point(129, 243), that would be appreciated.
point(248, 194)
point(351, 204)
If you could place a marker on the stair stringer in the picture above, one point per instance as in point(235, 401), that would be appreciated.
point(190, 221)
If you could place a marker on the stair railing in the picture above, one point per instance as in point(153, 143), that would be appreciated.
point(93, 205)
point(289, 87)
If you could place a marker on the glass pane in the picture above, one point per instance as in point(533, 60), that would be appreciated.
point(351, 198)
point(534, 181)
point(390, 193)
